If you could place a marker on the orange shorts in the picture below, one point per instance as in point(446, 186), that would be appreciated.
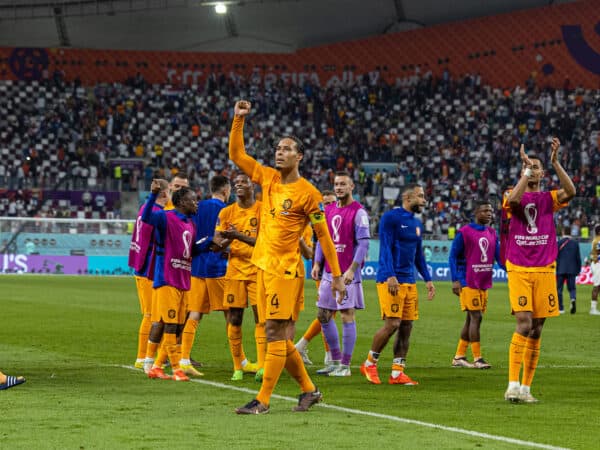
point(239, 293)
point(206, 295)
point(278, 298)
point(169, 305)
point(144, 291)
point(534, 292)
point(473, 299)
point(404, 305)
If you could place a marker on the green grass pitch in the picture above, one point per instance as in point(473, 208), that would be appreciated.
point(75, 338)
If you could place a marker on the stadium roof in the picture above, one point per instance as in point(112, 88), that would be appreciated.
point(279, 26)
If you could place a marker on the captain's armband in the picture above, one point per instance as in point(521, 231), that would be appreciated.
point(317, 217)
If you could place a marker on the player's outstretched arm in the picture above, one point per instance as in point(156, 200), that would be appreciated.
point(514, 197)
point(237, 149)
point(567, 188)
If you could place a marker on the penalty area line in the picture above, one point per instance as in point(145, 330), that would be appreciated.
point(360, 412)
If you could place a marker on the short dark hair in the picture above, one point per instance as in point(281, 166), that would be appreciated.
point(482, 202)
point(296, 139)
point(327, 192)
point(179, 194)
point(597, 229)
point(217, 183)
point(410, 187)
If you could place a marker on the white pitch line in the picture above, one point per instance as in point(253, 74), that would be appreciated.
point(360, 412)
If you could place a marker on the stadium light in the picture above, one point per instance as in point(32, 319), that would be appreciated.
point(221, 8)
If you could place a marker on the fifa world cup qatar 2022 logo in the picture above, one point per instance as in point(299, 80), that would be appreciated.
point(530, 215)
point(484, 244)
point(336, 224)
point(186, 237)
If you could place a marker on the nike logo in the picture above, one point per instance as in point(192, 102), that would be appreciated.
point(550, 311)
point(403, 226)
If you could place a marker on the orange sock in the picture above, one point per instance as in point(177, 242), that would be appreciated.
point(151, 348)
point(143, 334)
point(515, 356)
point(530, 360)
point(461, 350)
point(296, 368)
point(170, 344)
point(260, 336)
point(397, 367)
point(313, 329)
point(234, 335)
point(476, 349)
point(162, 356)
point(187, 338)
point(373, 357)
point(274, 364)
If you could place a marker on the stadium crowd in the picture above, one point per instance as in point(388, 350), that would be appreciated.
point(457, 136)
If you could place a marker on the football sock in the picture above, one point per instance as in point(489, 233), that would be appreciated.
point(313, 329)
point(234, 334)
point(348, 342)
point(161, 358)
point(476, 350)
point(325, 344)
point(143, 334)
point(296, 368)
point(261, 344)
point(372, 358)
point(274, 364)
point(515, 356)
point(170, 344)
point(398, 366)
point(461, 350)
point(151, 348)
point(530, 360)
point(330, 332)
point(187, 337)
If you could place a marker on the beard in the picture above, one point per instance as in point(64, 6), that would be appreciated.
point(416, 208)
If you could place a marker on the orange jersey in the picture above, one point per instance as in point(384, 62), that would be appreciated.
point(169, 205)
point(247, 221)
point(286, 211)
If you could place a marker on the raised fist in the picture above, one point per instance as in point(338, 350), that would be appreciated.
point(242, 108)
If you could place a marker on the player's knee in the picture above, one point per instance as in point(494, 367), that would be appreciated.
point(156, 332)
point(324, 315)
point(392, 324)
point(236, 316)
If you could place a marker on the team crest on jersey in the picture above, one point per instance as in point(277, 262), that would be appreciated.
point(522, 301)
point(230, 298)
point(287, 203)
point(475, 301)
point(171, 313)
point(253, 222)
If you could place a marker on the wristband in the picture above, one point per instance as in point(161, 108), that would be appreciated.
point(527, 172)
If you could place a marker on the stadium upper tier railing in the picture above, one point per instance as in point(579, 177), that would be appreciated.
point(52, 236)
point(101, 247)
